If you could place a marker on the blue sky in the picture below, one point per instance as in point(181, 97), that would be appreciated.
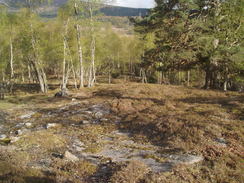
point(135, 3)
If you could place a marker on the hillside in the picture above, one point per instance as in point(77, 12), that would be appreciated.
point(122, 133)
point(50, 10)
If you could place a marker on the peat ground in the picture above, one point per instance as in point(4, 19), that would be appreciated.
point(123, 133)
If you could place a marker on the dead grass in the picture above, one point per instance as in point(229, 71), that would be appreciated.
point(174, 118)
point(189, 120)
point(130, 173)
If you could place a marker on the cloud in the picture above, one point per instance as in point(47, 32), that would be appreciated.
point(135, 3)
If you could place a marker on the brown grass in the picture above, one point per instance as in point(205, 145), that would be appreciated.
point(175, 118)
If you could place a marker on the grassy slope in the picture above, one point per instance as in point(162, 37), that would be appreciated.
point(176, 118)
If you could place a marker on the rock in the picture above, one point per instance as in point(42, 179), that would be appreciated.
point(73, 99)
point(3, 136)
point(28, 125)
point(69, 156)
point(62, 93)
point(51, 125)
point(88, 112)
point(21, 132)
point(98, 115)
point(104, 120)
point(221, 142)
point(78, 145)
point(14, 139)
point(85, 122)
point(26, 116)
point(185, 159)
point(19, 125)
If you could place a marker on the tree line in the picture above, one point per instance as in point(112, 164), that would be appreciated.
point(195, 43)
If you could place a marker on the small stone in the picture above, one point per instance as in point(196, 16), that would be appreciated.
point(69, 156)
point(186, 159)
point(85, 122)
point(3, 136)
point(221, 142)
point(62, 93)
point(103, 120)
point(19, 125)
point(51, 125)
point(98, 115)
point(28, 125)
point(14, 139)
point(73, 99)
point(21, 132)
point(26, 116)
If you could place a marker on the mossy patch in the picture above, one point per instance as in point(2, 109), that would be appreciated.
point(5, 141)
point(44, 140)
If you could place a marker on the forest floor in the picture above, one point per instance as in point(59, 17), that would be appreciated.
point(123, 133)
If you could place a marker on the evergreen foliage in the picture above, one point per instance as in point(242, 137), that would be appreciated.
point(193, 35)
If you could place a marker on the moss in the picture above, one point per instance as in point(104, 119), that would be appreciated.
point(93, 148)
point(155, 157)
point(5, 141)
point(44, 140)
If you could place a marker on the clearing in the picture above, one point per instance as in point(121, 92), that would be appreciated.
point(123, 133)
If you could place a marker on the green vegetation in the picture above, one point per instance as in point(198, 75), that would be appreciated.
point(193, 43)
point(126, 116)
point(200, 38)
point(73, 48)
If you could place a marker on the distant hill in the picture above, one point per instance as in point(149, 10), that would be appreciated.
point(51, 10)
point(123, 11)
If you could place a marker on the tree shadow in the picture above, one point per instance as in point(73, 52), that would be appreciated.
point(235, 103)
point(104, 172)
point(108, 93)
point(39, 180)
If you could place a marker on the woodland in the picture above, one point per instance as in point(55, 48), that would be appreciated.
point(193, 43)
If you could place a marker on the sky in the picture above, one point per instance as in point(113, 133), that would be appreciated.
point(135, 3)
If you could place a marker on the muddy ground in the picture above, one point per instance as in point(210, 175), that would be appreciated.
point(123, 133)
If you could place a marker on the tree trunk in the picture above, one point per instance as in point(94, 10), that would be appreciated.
point(74, 75)
point(39, 76)
point(80, 52)
point(29, 74)
point(188, 77)
point(93, 61)
point(23, 77)
point(3, 76)
point(80, 56)
point(225, 85)
point(64, 63)
point(109, 73)
point(160, 77)
point(37, 65)
point(65, 75)
point(92, 77)
point(226, 78)
point(143, 76)
point(11, 60)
